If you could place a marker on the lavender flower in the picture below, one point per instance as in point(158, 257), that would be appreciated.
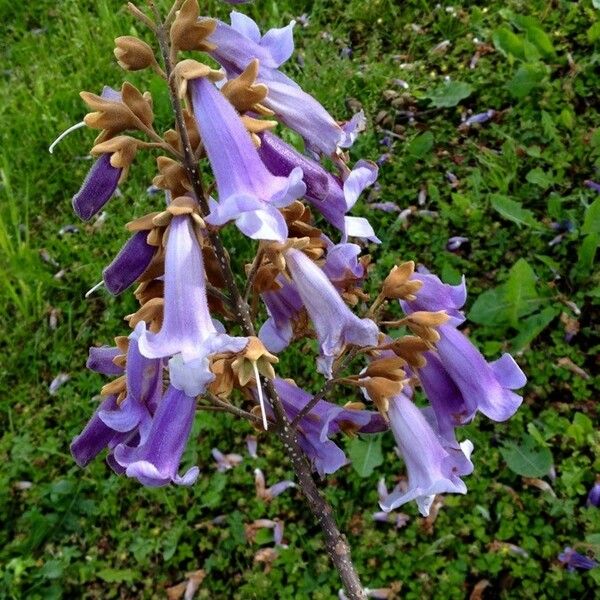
point(225, 462)
point(188, 333)
point(97, 188)
point(455, 242)
point(432, 468)
point(325, 419)
point(248, 193)
point(129, 264)
point(593, 498)
point(334, 322)
point(573, 560)
point(155, 462)
point(327, 193)
point(238, 44)
point(268, 493)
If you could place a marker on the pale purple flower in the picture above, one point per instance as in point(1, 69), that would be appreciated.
point(573, 560)
point(240, 43)
point(479, 118)
point(387, 207)
point(225, 462)
point(129, 264)
point(593, 498)
point(248, 193)
point(398, 519)
point(155, 462)
point(432, 468)
point(57, 382)
point(188, 333)
point(268, 493)
point(455, 242)
point(331, 196)
point(252, 445)
point(592, 185)
point(97, 189)
point(335, 324)
point(325, 420)
point(101, 360)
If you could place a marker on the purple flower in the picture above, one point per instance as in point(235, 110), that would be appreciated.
point(252, 445)
point(434, 296)
point(573, 560)
point(335, 324)
point(155, 462)
point(101, 360)
point(248, 193)
point(97, 188)
point(188, 333)
point(325, 419)
point(327, 193)
point(479, 118)
point(455, 242)
point(432, 467)
point(129, 264)
point(592, 185)
point(225, 462)
point(593, 498)
point(241, 42)
point(268, 493)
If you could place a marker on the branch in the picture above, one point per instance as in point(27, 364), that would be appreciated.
point(230, 408)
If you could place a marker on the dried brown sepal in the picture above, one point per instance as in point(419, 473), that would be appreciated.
point(133, 54)
point(411, 349)
point(397, 284)
point(245, 94)
point(265, 279)
point(225, 379)
point(381, 390)
point(428, 318)
point(257, 125)
point(172, 176)
point(188, 32)
point(255, 353)
point(149, 290)
point(111, 116)
point(389, 368)
point(114, 387)
point(429, 334)
point(139, 104)
point(143, 223)
point(182, 205)
point(192, 69)
point(152, 312)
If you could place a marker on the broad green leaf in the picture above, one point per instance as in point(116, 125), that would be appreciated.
point(540, 178)
point(420, 145)
point(508, 42)
point(591, 221)
point(365, 454)
point(580, 428)
point(526, 79)
point(593, 33)
point(535, 35)
point(521, 292)
point(532, 326)
point(117, 575)
point(490, 308)
point(527, 457)
point(587, 251)
point(449, 94)
point(513, 211)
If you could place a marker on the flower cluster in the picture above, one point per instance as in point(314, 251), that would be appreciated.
point(192, 342)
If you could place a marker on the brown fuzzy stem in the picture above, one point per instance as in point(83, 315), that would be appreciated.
point(335, 542)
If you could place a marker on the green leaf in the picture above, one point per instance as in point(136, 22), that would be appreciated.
point(540, 178)
point(117, 575)
point(521, 292)
point(591, 221)
point(593, 33)
point(526, 79)
point(527, 457)
point(535, 35)
point(580, 429)
point(449, 94)
point(532, 326)
point(508, 42)
point(587, 251)
point(420, 145)
point(490, 308)
point(365, 454)
point(513, 211)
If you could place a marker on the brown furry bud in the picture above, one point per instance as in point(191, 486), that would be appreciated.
point(133, 54)
point(190, 33)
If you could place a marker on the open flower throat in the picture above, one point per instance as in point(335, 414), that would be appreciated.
point(198, 342)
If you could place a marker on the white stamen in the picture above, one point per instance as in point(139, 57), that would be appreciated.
point(260, 396)
point(92, 290)
point(64, 134)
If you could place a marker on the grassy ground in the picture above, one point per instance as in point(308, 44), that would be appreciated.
point(73, 533)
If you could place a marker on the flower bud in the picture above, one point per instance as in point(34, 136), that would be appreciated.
point(190, 33)
point(133, 54)
point(397, 284)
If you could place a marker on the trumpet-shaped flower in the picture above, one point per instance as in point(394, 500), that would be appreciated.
point(248, 193)
point(335, 324)
point(188, 333)
point(155, 462)
point(432, 467)
point(239, 43)
point(331, 196)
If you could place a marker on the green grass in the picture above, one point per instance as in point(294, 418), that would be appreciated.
point(89, 534)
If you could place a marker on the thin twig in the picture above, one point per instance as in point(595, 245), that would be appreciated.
point(171, 16)
point(230, 408)
point(253, 271)
point(140, 16)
